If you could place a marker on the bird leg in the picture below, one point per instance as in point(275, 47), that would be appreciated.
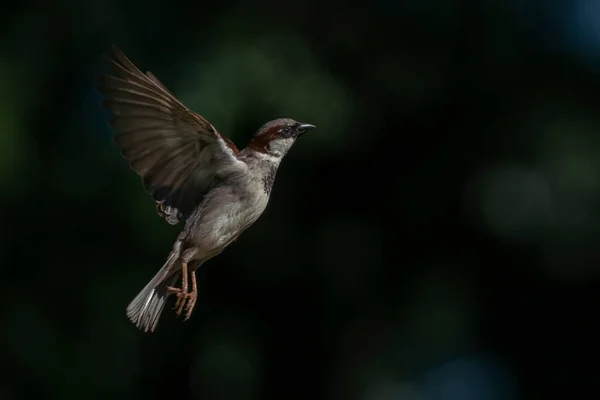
point(191, 297)
point(183, 296)
point(182, 292)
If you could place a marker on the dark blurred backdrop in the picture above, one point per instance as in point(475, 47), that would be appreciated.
point(437, 236)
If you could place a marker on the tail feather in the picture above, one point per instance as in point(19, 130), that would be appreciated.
point(145, 309)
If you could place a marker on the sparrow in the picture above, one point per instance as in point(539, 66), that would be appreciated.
point(194, 173)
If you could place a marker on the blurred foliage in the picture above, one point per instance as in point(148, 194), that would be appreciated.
point(436, 237)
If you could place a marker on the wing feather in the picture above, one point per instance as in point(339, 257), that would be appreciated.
point(176, 151)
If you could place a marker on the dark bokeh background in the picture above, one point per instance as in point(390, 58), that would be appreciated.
point(435, 238)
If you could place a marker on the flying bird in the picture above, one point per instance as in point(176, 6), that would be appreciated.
point(195, 175)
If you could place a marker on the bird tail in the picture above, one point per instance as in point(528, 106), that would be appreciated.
point(145, 309)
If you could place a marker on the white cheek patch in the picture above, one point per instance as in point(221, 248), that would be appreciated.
point(280, 146)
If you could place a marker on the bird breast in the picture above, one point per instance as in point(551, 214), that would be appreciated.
point(226, 211)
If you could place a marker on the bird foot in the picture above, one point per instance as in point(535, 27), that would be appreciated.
point(184, 299)
point(191, 302)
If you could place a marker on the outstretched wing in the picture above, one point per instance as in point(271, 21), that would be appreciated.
point(176, 151)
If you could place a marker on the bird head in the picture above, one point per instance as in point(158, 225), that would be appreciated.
point(276, 137)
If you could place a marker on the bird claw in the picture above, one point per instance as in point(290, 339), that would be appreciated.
point(184, 299)
point(191, 302)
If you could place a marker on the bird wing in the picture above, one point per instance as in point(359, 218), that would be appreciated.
point(177, 152)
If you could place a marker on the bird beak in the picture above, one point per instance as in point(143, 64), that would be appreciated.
point(303, 128)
